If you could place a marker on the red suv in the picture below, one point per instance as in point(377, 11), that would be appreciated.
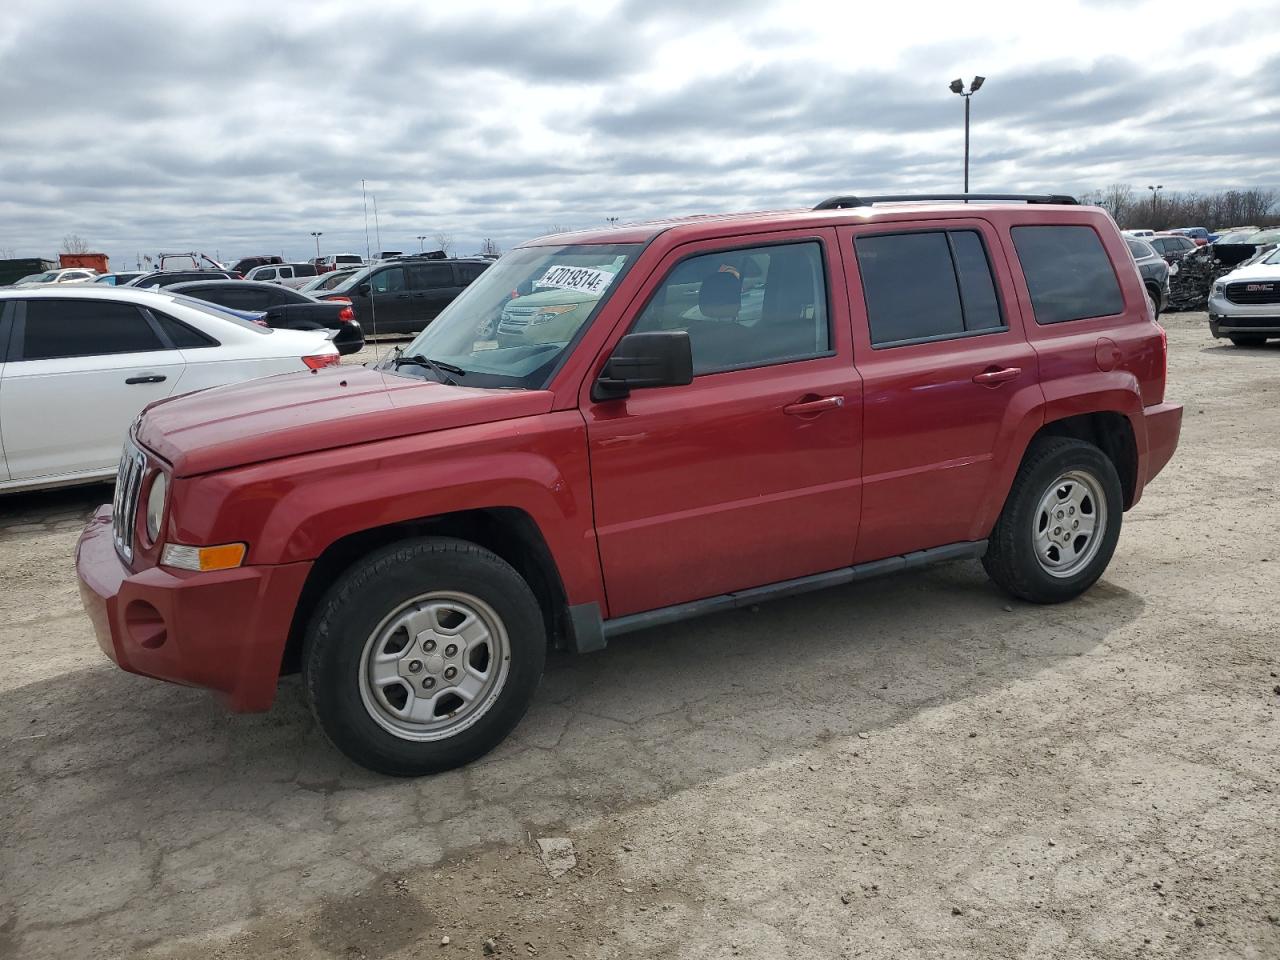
point(749, 406)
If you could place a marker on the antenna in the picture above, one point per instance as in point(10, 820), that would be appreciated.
point(373, 310)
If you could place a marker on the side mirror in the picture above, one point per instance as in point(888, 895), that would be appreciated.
point(663, 358)
point(363, 289)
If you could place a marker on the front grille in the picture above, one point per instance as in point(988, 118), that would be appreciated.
point(124, 505)
point(1243, 291)
point(516, 319)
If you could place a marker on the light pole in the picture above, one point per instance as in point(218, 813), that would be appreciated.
point(957, 86)
point(612, 221)
point(1155, 198)
point(317, 234)
point(420, 239)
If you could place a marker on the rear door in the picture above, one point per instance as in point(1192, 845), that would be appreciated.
point(433, 287)
point(78, 373)
point(7, 309)
point(948, 376)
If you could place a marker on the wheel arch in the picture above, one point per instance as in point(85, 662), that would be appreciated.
point(1109, 431)
point(509, 532)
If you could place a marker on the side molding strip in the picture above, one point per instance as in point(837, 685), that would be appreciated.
point(592, 634)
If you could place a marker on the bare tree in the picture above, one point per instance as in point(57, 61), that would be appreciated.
point(558, 228)
point(74, 243)
point(443, 241)
point(490, 248)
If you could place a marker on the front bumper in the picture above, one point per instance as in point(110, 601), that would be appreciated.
point(225, 630)
point(1227, 318)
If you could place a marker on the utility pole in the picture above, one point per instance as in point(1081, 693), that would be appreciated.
point(957, 86)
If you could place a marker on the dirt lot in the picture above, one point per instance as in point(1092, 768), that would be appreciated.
point(909, 768)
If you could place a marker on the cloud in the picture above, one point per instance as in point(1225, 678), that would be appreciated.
point(241, 128)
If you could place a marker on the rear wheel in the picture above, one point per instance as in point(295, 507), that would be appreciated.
point(1154, 301)
point(424, 656)
point(1060, 524)
point(1247, 339)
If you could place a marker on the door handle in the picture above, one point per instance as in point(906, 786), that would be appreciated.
point(993, 377)
point(147, 378)
point(805, 408)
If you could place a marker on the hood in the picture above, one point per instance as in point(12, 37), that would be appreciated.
point(297, 413)
point(1254, 271)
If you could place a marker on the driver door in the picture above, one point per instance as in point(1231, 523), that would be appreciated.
point(749, 475)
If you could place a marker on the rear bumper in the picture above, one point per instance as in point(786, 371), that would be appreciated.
point(225, 631)
point(1164, 425)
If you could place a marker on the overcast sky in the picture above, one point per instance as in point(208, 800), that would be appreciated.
point(240, 127)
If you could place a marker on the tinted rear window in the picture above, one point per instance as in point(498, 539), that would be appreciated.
point(1068, 273)
point(928, 285)
point(83, 328)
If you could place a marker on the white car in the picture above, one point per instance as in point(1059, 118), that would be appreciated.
point(1244, 306)
point(1142, 234)
point(78, 364)
point(65, 275)
point(286, 274)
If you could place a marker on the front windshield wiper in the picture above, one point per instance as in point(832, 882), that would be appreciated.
point(438, 366)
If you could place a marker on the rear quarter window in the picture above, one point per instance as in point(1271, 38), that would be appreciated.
point(1068, 273)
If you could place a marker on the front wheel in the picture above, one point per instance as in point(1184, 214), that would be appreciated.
point(424, 656)
point(1060, 524)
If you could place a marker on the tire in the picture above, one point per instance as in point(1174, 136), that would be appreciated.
point(366, 664)
point(1155, 302)
point(1247, 339)
point(1017, 558)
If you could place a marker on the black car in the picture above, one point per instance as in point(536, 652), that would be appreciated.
point(245, 264)
point(1154, 270)
point(404, 294)
point(1171, 246)
point(167, 278)
point(282, 307)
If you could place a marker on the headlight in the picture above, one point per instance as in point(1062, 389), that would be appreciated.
point(1219, 287)
point(548, 314)
point(155, 506)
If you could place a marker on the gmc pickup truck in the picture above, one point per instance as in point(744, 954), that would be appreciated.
point(693, 415)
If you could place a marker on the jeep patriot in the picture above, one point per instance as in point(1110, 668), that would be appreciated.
point(686, 416)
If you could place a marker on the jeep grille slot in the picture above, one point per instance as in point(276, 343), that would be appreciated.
point(124, 503)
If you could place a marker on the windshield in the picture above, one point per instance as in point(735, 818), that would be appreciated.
point(511, 327)
point(1274, 257)
point(40, 277)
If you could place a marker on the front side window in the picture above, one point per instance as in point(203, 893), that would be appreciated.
point(513, 326)
point(1068, 273)
point(745, 308)
point(85, 328)
point(388, 281)
point(928, 285)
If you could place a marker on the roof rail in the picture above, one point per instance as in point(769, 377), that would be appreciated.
point(845, 203)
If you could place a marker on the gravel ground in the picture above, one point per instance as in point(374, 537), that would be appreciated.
point(911, 768)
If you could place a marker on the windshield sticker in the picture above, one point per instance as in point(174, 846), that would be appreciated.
point(582, 279)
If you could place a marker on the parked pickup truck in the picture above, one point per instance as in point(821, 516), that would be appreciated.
point(755, 405)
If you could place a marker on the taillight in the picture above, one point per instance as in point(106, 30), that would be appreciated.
point(262, 323)
point(322, 360)
point(346, 315)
